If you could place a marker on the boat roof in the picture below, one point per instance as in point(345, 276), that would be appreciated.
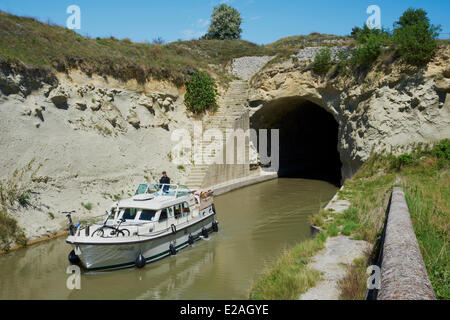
point(156, 197)
point(156, 203)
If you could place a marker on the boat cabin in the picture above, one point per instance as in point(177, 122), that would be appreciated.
point(159, 205)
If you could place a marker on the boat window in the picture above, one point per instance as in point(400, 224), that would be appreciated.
point(168, 190)
point(112, 214)
point(178, 212)
point(153, 188)
point(147, 215)
point(170, 212)
point(183, 191)
point(129, 214)
point(163, 215)
point(141, 189)
point(186, 209)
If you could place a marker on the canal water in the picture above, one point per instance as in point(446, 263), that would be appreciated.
point(256, 224)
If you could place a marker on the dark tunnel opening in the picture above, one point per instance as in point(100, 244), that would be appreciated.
point(308, 139)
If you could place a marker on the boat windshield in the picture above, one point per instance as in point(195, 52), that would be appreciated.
point(148, 188)
point(173, 191)
point(165, 190)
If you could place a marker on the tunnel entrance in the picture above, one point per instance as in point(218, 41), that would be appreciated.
point(308, 139)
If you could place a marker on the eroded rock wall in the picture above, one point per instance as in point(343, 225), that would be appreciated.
point(383, 109)
point(94, 138)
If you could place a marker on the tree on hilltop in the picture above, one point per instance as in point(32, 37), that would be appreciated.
point(415, 37)
point(225, 23)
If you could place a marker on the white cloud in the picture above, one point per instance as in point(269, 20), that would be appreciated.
point(203, 22)
point(189, 34)
point(197, 29)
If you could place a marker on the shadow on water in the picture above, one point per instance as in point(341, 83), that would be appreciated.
point(256, 223)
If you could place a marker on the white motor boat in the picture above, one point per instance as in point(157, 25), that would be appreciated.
point(157, 222)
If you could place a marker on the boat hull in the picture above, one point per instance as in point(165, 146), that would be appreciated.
point(110, 256)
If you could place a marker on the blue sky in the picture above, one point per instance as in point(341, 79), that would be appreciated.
point(264, 21)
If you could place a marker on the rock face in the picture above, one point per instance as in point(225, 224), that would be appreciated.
point(17, 78)
point(59, 97)
point(246, 67)
point(375, 111)
point(92, 138)
point(309, 53)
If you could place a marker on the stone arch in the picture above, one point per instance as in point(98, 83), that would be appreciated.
point(309, 133)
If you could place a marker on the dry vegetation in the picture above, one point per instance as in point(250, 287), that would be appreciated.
point(353, 285)
point(14, 192)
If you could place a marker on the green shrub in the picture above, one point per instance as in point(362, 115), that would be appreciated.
point(349, 227)
point(369, 48)
point(401, 161)
point(9, 232)
point(24, 199)
point(370, 42)
point(201, 93)
point(351, 214)
point(87, 206)
point(442, 150)
point(415, 37)
point(322, 61)
point(343, 59)
point(333, 230)
point(363, 35)
point(355, 32)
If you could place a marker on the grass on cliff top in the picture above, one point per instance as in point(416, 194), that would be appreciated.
point(49, 45)
point(14, 192)
point(312, 40)
point(45, 44)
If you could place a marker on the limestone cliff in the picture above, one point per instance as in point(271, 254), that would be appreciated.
point(383, 108)
point(94, 138)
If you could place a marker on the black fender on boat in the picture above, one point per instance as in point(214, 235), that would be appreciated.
point(73, 258)
point(174, 229)
point(172, 249)
point(205, 233)
point(191, 239)
point(140, 261)
point(215, 226)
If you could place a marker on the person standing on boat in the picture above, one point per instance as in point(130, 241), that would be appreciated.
point(164, 180)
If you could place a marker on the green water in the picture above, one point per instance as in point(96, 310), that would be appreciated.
point(256, 224)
